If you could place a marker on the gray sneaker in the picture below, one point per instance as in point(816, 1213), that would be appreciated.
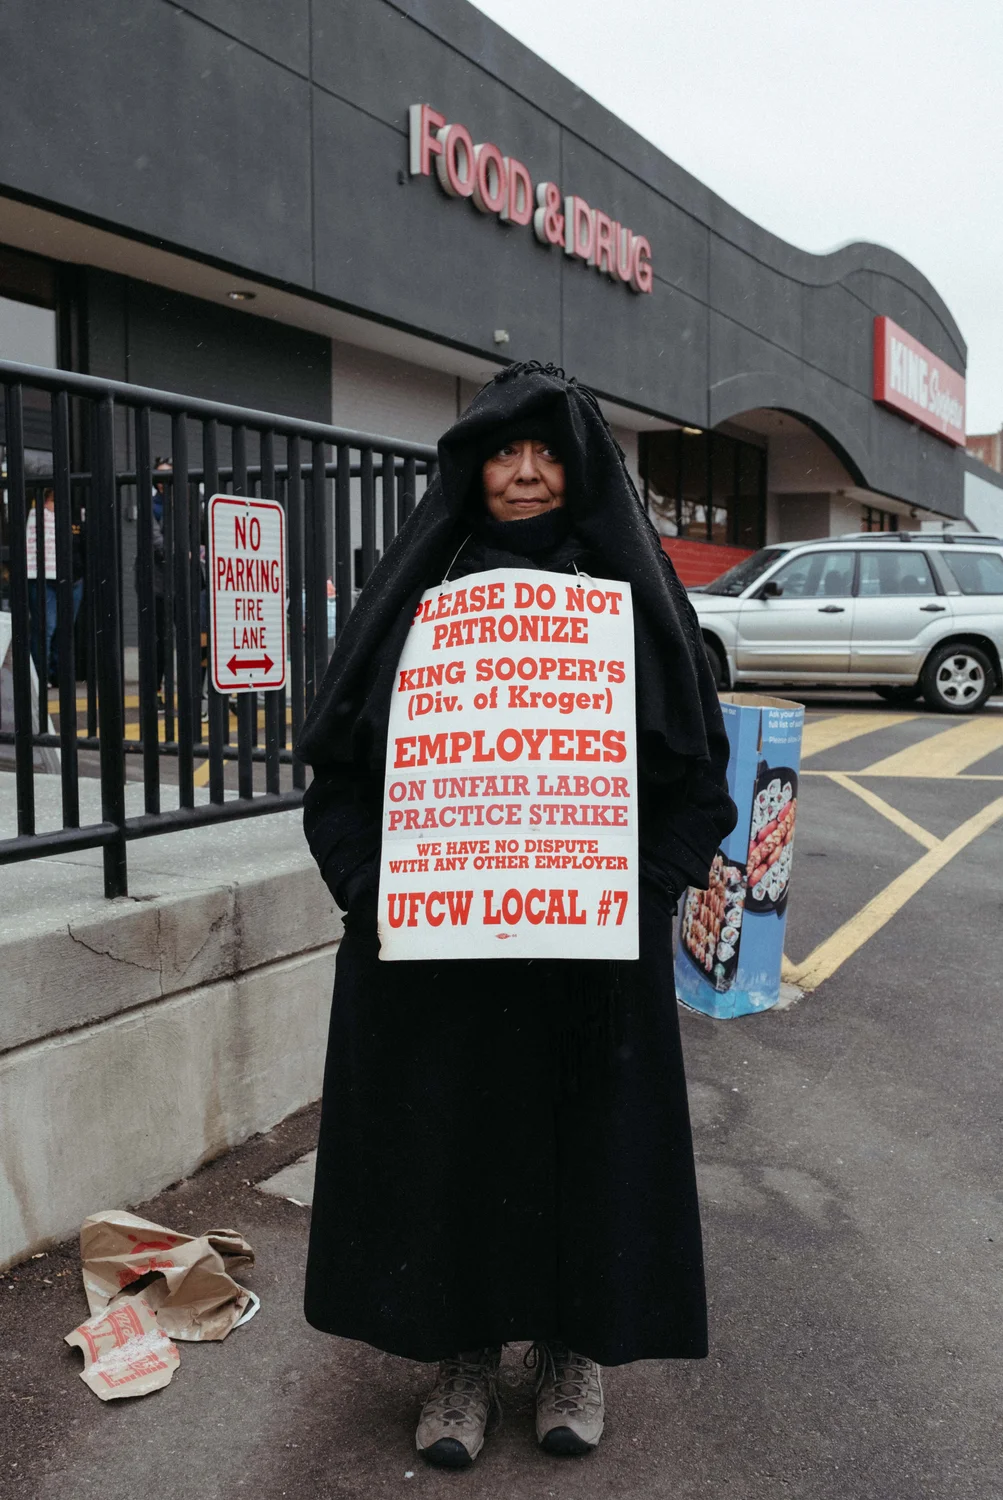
point(569, 1401)
point(459, 1408)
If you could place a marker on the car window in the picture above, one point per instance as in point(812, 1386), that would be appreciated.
point(976, 572)
point(896, 573)
point(742, 574)
point(817, 575)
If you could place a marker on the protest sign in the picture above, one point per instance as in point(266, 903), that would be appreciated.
point(510, 801)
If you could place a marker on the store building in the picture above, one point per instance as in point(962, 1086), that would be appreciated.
point(987, 447)
point(983, 497)
point(356, 210)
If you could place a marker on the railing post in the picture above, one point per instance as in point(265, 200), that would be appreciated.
point(146, 598)
point(368, 496)
point(343, 538)
point(170, 609)
point(316, 572)
point(270, 699)
point(389, 486)
point(111, 715)
point(184, 610)
point(409, 489)
point(297, 589)
point(198, 583)
point(246, 702)
point(66, 584)
point(20, 620)
point(39, 632)
point(218, 707)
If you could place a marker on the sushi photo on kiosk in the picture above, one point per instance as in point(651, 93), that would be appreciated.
point(711, 925)
point(771, 837)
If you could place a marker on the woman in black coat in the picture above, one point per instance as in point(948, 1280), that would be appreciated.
point(505, 1144)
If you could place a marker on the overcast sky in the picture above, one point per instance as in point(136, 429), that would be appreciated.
point(826, 122)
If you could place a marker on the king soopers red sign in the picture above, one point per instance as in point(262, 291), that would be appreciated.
point(916, 383)
point(501, 185)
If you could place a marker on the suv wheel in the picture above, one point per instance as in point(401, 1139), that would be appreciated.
point(719, 671)
point(957, 679)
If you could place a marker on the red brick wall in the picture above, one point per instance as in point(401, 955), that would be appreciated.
point(986, 446)
point(701, 562)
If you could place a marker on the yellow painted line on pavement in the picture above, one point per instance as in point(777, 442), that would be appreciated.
point(201, 777)
point(961, 776)
point(823, 962)
point(131, 732)
point(825, 734)
point(131, 700)
point(944, 754)
point(914, 830)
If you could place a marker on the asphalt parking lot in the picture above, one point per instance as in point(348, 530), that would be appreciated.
point(907, 791)
point(848, 1149)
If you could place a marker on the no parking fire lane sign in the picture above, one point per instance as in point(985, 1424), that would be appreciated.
point(247, 567)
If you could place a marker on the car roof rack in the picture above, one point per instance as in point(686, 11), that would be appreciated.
point(930, 538)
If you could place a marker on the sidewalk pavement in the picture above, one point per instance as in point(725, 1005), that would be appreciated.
point(848, 1150)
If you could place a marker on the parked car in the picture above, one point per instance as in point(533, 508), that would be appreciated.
point(904, 613)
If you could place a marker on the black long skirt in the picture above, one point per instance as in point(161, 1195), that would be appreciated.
point(463, 1200)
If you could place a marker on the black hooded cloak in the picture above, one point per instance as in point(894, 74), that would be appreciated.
point(479, 1180)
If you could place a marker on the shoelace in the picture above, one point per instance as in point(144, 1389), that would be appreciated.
point(459, 1388)
point(572, 1372)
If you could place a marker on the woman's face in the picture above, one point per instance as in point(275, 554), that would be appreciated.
point(524, 478)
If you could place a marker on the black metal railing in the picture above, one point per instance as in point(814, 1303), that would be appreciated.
point(109, 606)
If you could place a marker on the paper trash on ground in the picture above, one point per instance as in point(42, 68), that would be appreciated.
point(147, 1285)
point(125, 1353)
point(193, 1290)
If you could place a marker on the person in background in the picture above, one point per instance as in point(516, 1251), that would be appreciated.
point(161, 466)
point(44, 607)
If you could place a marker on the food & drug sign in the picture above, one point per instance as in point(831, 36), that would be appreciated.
point(501, 185)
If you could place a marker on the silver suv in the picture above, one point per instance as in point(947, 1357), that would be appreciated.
point(904, 613)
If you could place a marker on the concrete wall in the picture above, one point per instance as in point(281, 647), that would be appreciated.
point(154, 337)
point(801, 463)
point(800, 518)
point(983, 497)
point(27, 333)
point(140, 1038)
point(279, 149)
point(374, 392)
point(845, 515)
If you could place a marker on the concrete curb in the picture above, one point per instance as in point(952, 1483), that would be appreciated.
point(140, 1038)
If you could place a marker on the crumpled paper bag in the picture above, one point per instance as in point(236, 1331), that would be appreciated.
point(125, 1353)
point(146, 1285)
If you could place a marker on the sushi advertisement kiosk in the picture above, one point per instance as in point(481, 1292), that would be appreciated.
point(731, 936)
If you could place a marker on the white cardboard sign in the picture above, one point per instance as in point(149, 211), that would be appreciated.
point(510, 801)
point(247, 594)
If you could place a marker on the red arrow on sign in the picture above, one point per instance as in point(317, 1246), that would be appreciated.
point(249, 663)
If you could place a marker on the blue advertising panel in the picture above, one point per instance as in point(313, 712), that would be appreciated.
point(731, 936)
